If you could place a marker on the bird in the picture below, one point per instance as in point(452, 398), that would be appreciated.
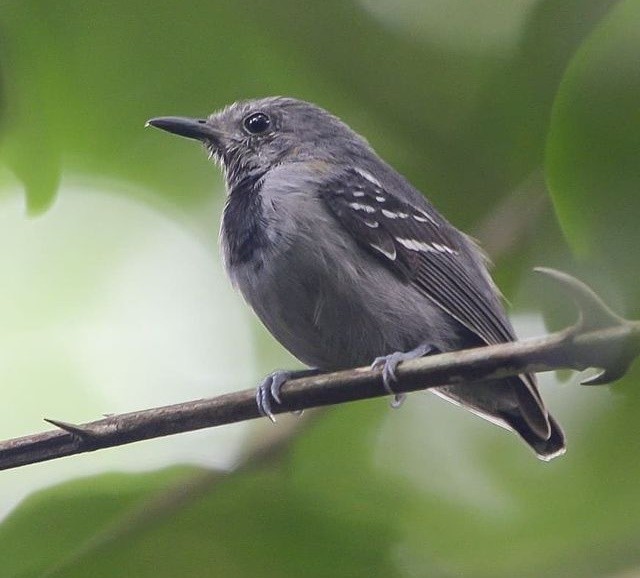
point(347, 264)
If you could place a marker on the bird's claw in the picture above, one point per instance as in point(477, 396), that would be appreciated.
point(389, 364)
point(271, 386)
point(269, 390)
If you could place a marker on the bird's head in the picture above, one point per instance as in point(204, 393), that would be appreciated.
point(254, 136)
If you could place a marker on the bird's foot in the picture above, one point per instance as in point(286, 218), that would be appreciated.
point(269, 389)
point(389, 363)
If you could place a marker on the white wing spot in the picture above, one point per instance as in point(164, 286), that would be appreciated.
point(367, 175)
point(390, 254)
point(414, 245)
point(371, 224)
point(380, 199)
point(394, 215)
point(426, 216)
point(358, 193)
point(443, 248)
point(362, 207)
point(420, 219)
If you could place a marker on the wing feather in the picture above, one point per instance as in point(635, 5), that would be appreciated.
point(422, 249)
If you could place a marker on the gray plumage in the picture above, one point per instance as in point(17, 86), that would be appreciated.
point(344, 261)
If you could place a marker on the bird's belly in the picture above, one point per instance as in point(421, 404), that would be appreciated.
point(331, 315)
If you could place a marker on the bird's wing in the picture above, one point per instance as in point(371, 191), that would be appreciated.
point(422, 249)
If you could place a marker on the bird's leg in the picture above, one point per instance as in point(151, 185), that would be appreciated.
point(389, 363)
point(271, 385)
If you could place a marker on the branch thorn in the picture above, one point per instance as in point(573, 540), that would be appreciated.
point(82, 433)
point(594, 314)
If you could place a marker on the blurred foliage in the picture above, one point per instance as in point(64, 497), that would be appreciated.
point(473, 106)
point(593, 149)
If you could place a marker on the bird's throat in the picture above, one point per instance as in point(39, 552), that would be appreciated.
point(243, 226)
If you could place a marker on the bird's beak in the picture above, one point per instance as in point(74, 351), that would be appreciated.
point(195, 128)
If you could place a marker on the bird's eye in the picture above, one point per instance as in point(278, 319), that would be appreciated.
point(257, 123)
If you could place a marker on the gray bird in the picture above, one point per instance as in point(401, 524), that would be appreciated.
point(346, 263)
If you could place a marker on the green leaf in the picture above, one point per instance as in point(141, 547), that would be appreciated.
point(593, 159)
point(32, 143)
point(54, 527)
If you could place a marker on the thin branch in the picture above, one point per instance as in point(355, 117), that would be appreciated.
point(599, 339)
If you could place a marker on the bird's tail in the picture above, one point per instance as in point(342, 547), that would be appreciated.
point(515, 404)
point(545, 449)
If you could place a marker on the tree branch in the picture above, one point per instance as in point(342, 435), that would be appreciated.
point(600, 339)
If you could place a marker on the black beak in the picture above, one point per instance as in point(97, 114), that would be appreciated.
point(196, 128)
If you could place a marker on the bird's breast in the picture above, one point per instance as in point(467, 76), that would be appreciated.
point(328, 302)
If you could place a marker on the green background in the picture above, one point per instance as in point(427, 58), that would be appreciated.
point(519, 119)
